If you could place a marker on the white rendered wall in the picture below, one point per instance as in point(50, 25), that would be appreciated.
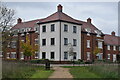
point(70, 35)
point(48, 35)
point(56, 34)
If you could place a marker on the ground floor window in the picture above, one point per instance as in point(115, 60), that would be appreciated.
point(114, 57)
point(52, 55)
point(22, 55)
point(108, 56)
point(74, 55)
point(36, 54)
point(43, 55)
point(13, 55)
point(65, 55)
point(88, 55)
point(8, 55)
point(100, 56)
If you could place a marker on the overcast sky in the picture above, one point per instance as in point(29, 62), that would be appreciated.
point(104, 15)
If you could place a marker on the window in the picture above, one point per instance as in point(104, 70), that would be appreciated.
point(36, 29)
point(8, 55)
point(52, 55)
point(114, 48)
point(114, 57)
point(52, 27)
point(88, 55)
point(100, 56)
point(43, 42)
point(99, 44)
point(74, 55)
point(13, 44)
point(36, 41)
point(88, 43)
point(65, 55)
point(65, 28)
point(43, 55)
point(88, 30)
point(108, 47)
point(43, 28)
point(36, 54)
point(52, 41)
point(65, 41)
point(22, 55)
point(74, 29)
point(13, 55)
point(98, 33)
point(108, 56)
point(74, 42)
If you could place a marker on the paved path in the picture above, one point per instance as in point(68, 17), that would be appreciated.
point(61, 73)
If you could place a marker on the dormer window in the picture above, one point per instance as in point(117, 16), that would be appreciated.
point(98, 33)
point(88, 30)
point(28, 29)
point(36, 29)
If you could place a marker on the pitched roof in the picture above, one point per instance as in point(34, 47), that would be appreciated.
point(59, 15)
point(28, 24)
point(111, 40)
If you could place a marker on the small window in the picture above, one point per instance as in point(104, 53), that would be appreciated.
point(65, 28)
point(108, 47)
point(88, 43)
point(43, 28)
point(114, 48)
point(52, 55)
point(74, 55)
point(52, 27)
point(43, 55)
point(108, 56)
point(43, 42)
point(13, 44)
point(65, 55)
point(99, 44)
point(36, 41)
point(65, 41)
point(88, 55)
point(13, 55)
point(74, 29)
point(74, 42)
point(52, 41)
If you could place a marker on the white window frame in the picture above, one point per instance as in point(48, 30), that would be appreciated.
point(100, 44)
point(22, 56)
point(65, 55)
point(88, 55)
point(108, 56)
point(108, 47)
point(88, 43)
point(114, 48)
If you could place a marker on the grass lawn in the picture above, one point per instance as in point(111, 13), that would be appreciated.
point(21, 70)
point(42, 74)
point(82, 72)
point(95, 71)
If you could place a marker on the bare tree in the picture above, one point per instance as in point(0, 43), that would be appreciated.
point(6, 21)
point(6, 17)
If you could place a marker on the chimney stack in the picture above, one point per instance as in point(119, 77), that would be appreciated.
point(19, 20)
point(113, 33)
point(89, 20)
point(59, 7)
